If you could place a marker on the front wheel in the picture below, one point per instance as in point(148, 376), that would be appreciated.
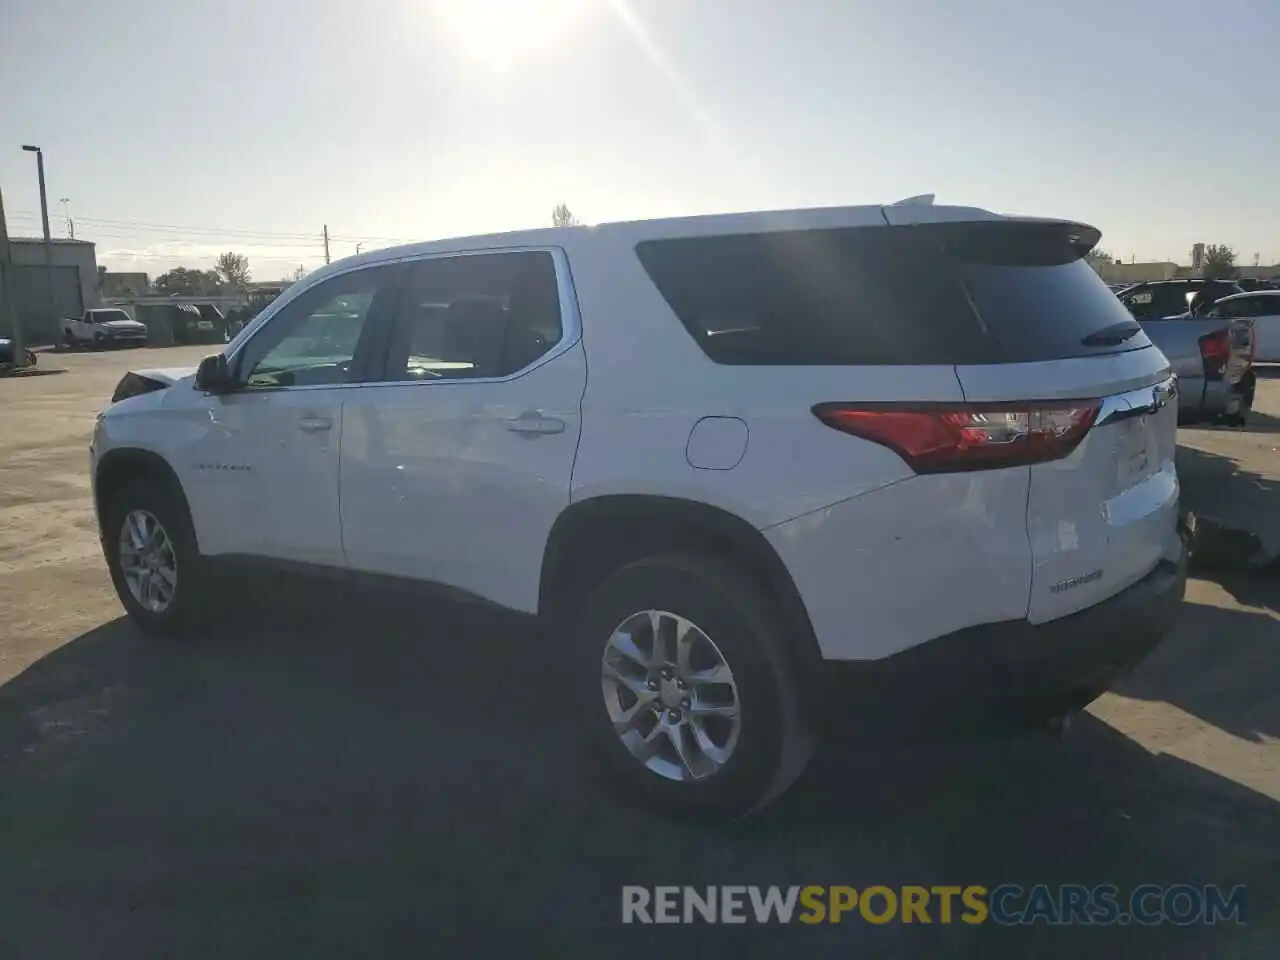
point(155, 565)
point(689, 694)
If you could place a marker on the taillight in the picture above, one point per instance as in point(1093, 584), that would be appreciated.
point(1215, 351)
point(935, 438)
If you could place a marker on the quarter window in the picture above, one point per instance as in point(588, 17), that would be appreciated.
point(475, 316)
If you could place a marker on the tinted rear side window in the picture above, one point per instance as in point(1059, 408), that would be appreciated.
point(932, 294)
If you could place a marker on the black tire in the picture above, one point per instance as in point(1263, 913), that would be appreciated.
point(726, 602)
point(189, 608)
point(99, 341)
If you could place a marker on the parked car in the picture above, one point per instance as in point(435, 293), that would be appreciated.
point(213, 323)
point(1211, 355)
point(1171, 298)
point(1250, 284)
point(103, 327)
point(7, 355)
point(195, 322)
point(863, 466)
point(1263, 308)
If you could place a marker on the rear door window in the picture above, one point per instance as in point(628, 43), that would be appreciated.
point(927, 294)
point(475, 316)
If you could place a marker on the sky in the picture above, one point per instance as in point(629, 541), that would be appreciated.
point(177, 129)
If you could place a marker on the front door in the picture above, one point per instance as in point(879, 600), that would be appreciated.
point(456, 466)
point(267, 454)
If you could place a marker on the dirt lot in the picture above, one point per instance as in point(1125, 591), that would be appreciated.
point(356, 774)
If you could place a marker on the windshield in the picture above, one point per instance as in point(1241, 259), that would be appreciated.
point(108, 316)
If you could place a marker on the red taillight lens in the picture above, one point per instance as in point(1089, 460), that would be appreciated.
point(948, 439)
point(1215, 350)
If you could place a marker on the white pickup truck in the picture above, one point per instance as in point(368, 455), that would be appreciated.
point(103, 327)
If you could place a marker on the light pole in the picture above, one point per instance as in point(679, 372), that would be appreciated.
point(44, 219)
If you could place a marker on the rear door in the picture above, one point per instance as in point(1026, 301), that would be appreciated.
point(456, 465)
point(1102, 517)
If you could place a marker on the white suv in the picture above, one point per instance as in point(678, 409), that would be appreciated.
point(762, 476)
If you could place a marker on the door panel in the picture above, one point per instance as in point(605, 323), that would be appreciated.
point(459, 483)
point(266, 456)
point(456, 467)
point(270, 461)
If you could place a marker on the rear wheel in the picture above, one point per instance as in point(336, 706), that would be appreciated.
point(689, 695)
point(150, 548)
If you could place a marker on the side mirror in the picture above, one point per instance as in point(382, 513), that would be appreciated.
point(213, 375)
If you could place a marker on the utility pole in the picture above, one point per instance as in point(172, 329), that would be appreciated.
point(7, 310)
point(326, 243)
point(66, 215)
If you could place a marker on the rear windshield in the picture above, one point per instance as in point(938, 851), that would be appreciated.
point(994, 292)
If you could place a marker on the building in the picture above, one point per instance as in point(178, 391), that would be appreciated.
point(1117, 272)
point(115, 285)
point(72, 274)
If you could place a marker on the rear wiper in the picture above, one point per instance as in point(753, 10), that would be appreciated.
point(1111, 336)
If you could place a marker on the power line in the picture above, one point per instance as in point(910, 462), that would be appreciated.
point(142, 226)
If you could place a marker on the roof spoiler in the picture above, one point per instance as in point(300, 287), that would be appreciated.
point(920, 200)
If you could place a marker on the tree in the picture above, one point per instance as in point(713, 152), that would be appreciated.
point(233, 268)
point(1219, 262)
point(187, 282)
point(562, 216)
point(1098, 258)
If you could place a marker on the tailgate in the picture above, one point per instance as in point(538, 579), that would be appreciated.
point(1099, 519)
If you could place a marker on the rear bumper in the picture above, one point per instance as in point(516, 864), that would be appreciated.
point(1003, 676)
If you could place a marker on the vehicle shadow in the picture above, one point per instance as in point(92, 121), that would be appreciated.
point(1258, 422)
point(1220, 665)
point(337, 772)
point(1241, 507)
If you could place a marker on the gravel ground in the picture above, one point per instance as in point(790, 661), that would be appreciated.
point(376, 775)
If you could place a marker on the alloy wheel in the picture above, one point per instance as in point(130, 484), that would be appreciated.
point(671, 695)
point(148, 561)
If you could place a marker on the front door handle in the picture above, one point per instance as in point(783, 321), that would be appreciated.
point(533, 423)
point(314, 424)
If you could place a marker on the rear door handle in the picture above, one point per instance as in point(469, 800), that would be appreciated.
point(314, 424)
point(533, 423)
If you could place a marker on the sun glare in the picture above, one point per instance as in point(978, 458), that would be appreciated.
point(500, 34)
